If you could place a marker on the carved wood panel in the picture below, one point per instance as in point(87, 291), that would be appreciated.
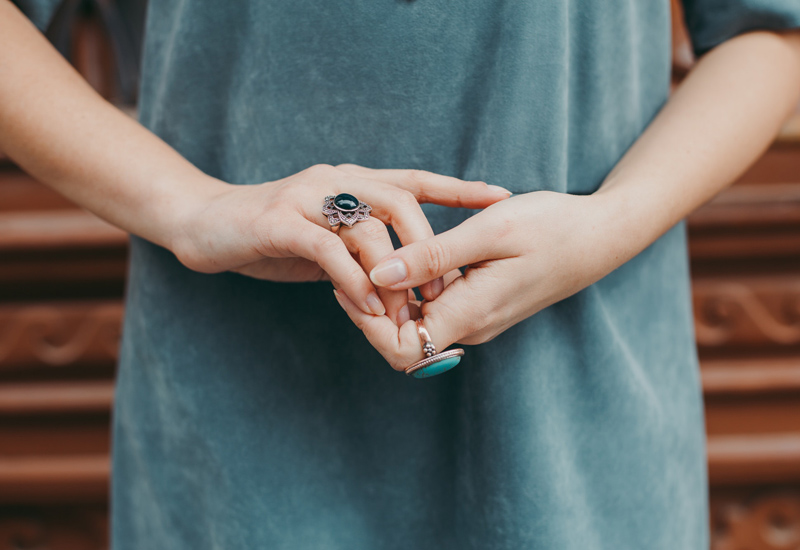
point(760, 519)
point(32, 528)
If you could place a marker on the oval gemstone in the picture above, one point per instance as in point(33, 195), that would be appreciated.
point(345, 201)
point(437, 368)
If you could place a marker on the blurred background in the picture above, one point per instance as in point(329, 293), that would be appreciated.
point(62, 275)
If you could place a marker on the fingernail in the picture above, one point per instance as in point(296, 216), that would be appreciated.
point(500, 189)
point(375, 305)
point(389, 273)
point(437, 287)
point(403, 315)
point(338, 298)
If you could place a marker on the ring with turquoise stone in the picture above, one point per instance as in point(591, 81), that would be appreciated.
point(433, 363)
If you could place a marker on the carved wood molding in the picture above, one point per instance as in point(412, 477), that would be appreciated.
point(742, 206)
point(753, 458)
point(56, 229)
point(56, 397)
point(761, 520)
point(748, 376)
point(59, 334)
point(63, 478)
point(756, 312)
point(747, 224)
point(54, 529)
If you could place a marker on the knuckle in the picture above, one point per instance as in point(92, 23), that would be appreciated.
point(280, 193)
point(191, 257)
point(418, 178)
point(351, 280)
point(400, 359)
point(269, 241)
point(319, 171)
point(324, 245)
point(359, 322)
point(501, 227)
point(398, 363)
point(405, 200)
point(434, 258)
point(282, 198)
point(372, 229)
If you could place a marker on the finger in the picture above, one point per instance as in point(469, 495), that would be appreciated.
point(400, 209)
point(451, 276)
point(370, 240)
point(456, 314)
point(329, 251)
point(393, 206)
point(475, 307)
point(476, 239)
point(434, 188)
point(399, 345)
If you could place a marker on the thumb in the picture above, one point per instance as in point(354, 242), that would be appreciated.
point(423, 261)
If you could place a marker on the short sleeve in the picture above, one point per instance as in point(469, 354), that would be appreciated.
point(711, 22)
point(40, 12)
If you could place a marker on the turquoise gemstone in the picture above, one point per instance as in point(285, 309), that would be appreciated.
point(437, 368)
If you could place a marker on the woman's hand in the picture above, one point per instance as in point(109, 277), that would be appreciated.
point(523, 254)
point(535, 249)
point(276, 230)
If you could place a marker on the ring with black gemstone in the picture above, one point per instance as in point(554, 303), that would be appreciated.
point(345, 209)
point(433, 363)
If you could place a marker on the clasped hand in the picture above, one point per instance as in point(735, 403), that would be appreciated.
point(521, 254)
point(276, 230)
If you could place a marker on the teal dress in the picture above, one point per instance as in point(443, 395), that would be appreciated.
point(252, 414)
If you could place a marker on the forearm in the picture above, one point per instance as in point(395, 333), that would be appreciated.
point(63, 133)
point(719, 120)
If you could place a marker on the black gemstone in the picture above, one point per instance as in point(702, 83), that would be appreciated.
point(345, 201)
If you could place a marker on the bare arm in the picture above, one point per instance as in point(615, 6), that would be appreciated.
point(59, 130)
point(717, 123)
point(535, 249)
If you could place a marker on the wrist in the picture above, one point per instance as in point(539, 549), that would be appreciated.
point(629, 222)
point(182, 211)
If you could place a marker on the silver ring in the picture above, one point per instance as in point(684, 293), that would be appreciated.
point(345, 209)
point(433, 363)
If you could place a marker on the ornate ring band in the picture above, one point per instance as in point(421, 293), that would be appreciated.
point(433, 363)
point(345, 209)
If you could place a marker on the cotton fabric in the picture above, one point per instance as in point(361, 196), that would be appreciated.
point(252, 414)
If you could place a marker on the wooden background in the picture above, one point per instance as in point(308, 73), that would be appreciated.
point(61, 284)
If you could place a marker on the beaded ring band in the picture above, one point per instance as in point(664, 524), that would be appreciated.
point(433, 363)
